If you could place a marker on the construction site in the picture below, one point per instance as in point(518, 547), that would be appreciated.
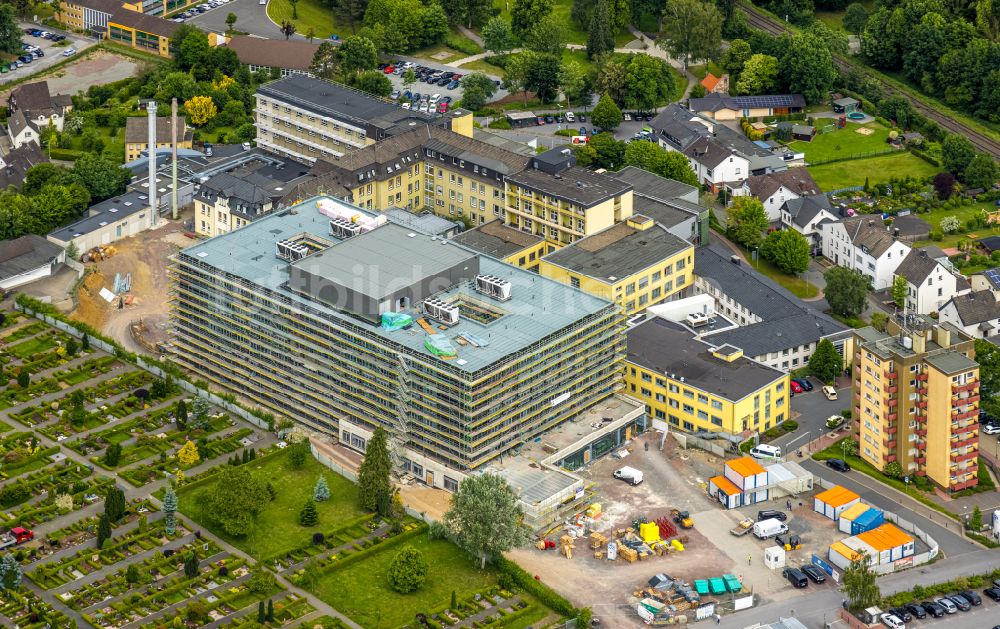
point(136, 315)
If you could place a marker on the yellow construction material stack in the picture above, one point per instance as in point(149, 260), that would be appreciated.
point(594, 510)
point(677, 544)
point(649, 532)
point(628, 554)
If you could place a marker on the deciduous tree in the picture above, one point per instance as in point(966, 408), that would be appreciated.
point(10, 31)
point(846, 291)
point(825, 362)
point(373, 82)
point(200, 110)
point(957, 152)
point(649, 82)
point(547, 36)
point(485, 518)
point(498, 37)
point(747, 222)
point(855, 18)
point(102, 177)
point(606, 114)
point(807, 67)
point(188, 454)
point(735, 57)
point(357, 54)
point(654, 158)
point(787, 249)
point(477, 89)
point(692, 29)
point(524, 14)
point(859, 584)
point(981, 172)
point(899, 291)
point(235, 500)
point(759, 75)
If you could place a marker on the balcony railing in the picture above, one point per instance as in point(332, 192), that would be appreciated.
point(968, 386)
point(922, 390)
point(890, 458)
point(921, 377)
point(893, 389)
point(961, 443)
point(920, 460)
point(959, 416)
point(922, 404)
point(889, 443)
point(921, 445)
point(964, 456)
point(893, 375)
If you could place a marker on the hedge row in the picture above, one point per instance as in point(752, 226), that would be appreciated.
point(168, 367)
point(376, 547)
point(548, 597)
point(933, 161)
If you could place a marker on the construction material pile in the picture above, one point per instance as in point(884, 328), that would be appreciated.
point(641, 541)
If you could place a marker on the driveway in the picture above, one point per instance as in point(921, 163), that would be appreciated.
point(53, 53)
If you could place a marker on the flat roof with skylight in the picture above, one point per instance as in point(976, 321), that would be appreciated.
point(377, 261)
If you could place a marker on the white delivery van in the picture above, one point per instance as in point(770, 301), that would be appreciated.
point(764, 451)
point(766, 529)
point(629, 475)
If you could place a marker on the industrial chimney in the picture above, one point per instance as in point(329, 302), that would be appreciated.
point(173, 167)
point(151, 154)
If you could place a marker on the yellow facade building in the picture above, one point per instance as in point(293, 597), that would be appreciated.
point(693, 385)
point(916, 400)
point(137, 135)
point(561, 202)
point(143, 32)
point(90, 15)
point(636, 263)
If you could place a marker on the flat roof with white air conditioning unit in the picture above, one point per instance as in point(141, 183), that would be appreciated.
point(697, 319)
point(290, 250)
point(495, 287)
point(442, 311)
point(343, 228)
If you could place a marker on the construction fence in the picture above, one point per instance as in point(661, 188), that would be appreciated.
point(110, 348)
point(690, 441)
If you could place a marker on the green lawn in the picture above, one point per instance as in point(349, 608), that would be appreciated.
point(963, 213)
point(312, 14)
point(796, 285)
point(701, 70)
point(453, 53)
point(561, 9)
point(115, 143)
point(361, 589)
point(835, 19)
point(842, 142)
point(481, 65)
point(877, 169)
point(277, 530)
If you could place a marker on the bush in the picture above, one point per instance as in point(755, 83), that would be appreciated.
point(499, 123)
point(66, 155)
point(407, 570)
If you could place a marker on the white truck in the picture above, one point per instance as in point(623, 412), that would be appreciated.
point(630, 475)
point(766, 529)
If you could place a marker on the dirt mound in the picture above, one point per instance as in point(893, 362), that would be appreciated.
point(91, 307)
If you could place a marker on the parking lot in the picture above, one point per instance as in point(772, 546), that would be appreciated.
point(251, 18)
point(211, 6)
point(423, 85)
point(52, 54)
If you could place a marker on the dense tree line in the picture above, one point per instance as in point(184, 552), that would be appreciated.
point(802, 63)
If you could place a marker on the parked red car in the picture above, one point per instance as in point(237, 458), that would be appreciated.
point(796, 387)
point(389, 69)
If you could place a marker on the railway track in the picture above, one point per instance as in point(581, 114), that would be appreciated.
point(982, 142)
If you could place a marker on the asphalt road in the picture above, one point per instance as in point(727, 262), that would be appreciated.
point(251, 18)
point(874, 493)
point(53, 53)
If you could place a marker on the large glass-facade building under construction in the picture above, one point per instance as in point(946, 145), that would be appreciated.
point(334, 317)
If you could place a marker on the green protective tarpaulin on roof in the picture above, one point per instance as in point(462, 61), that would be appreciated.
point(701, 586)
point(718, 585)
point(395, 321)
point(440, 345)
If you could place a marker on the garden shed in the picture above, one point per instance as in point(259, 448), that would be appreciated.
point(846, 105)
